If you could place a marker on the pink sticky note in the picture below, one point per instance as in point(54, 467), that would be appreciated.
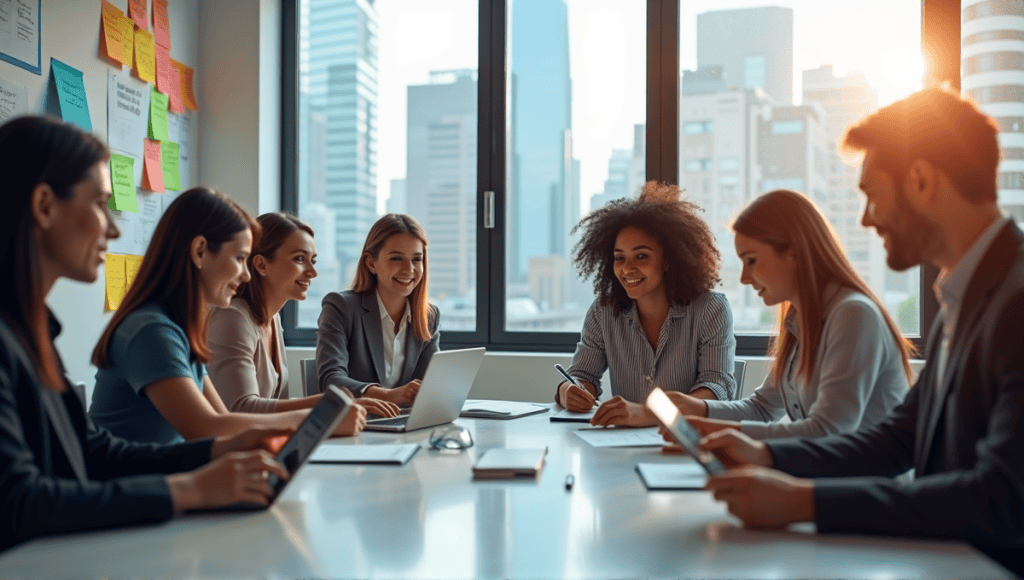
point(153, 169)
point(175, 102)
point(164, 70)
point(161, 24)
point(137, 12)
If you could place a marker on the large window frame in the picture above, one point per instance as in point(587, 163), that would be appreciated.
point(940, 40)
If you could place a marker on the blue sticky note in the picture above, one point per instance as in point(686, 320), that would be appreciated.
point(74, 108)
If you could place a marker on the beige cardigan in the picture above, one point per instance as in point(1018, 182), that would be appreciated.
point(240, 366)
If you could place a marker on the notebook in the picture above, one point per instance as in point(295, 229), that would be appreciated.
point(380, 454)
point(509, 463)
point(571, 417)
point(664, 476)
point(442, 392)
point(485, 409)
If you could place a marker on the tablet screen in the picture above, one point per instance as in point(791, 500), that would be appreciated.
point(314, 429)
point(684, 433)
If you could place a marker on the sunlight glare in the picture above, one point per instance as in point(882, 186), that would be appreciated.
point(902, 74)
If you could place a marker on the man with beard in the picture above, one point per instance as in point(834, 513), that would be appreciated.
point(929, 175)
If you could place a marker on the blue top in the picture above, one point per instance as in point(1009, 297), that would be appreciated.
point(146, 347)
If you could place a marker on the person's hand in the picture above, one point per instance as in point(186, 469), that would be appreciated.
point(239, 476)
point(708, 426)
point(619, 411)
point(734, 449)
point(267, 438)
point(353, 423)
point(379, 407)
point(575, 399)
point(764, 498)
point(403, 395)
point(688, 404)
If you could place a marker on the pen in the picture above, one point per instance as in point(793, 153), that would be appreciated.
point(569, 479)
point(562, 372)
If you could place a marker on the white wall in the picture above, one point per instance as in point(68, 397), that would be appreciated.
point(70, 33)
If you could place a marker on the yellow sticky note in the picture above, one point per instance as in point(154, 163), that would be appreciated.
point(116, 274)
point(132, 264)
point(145, 56)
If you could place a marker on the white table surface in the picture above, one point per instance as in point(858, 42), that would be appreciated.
point(429, 519)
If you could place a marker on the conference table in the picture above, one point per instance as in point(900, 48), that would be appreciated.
point(430, 519)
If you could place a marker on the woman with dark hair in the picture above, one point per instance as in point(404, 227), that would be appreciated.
point(152, 383)
point(247, 356)
point(840, 363)
point(378, 338)
point(656, 321)
point(58, 471)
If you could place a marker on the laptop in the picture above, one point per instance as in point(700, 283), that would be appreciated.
point(442, 393)
point(295, 452)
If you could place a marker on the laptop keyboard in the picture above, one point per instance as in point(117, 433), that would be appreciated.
point(378, 420)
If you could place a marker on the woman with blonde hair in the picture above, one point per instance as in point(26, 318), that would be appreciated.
point(377, 338)
point(839, 361)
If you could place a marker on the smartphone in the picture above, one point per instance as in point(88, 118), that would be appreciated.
point(684, 433)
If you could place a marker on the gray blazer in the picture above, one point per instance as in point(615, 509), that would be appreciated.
point(350, 343)
point(240, 365)
point(963, 436)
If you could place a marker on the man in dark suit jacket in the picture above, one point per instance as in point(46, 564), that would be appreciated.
point(929, 174)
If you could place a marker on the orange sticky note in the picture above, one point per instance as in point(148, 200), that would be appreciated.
point(145, 56)
point(185, 80)
point(161, 24)
point(164, 70)
point(153, 168)
point(175, 101)
point(137, 12)
point(117, 39)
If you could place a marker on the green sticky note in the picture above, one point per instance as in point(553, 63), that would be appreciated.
point(74, 108)
point(122, 180)
point(169, 160)
point(158, 116)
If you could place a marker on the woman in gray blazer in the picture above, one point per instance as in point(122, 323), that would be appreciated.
point(377, 339)
point(247, 352)
point(840, 362)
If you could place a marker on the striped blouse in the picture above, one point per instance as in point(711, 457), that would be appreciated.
point(695, 349)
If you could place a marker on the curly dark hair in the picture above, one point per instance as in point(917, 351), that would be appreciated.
point(686, 241)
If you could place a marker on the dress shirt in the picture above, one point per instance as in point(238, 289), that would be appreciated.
point(696, 348)
point(394, 342)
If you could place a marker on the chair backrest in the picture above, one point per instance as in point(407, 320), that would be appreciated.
point(310, 382)
point(741, 366)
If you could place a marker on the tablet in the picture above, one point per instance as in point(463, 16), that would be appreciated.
point(685, 435)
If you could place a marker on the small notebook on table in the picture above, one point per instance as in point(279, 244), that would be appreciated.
point(667, 476)
point(509, 463)
point(567, 416)
point(384, 454)
point(486, 409)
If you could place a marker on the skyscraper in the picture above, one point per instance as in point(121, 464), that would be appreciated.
point(754, 47)
point(441, 176)
point(338, 87)
point(544, 192)
point(993, 75)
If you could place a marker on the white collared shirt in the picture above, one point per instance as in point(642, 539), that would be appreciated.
point(394, 343)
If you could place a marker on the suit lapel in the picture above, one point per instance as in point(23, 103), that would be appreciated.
point(986, 280)
point(413, 346)
point(373, 332)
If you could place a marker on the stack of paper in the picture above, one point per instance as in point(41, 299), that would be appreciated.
point(481, 409)
point(568, 416)
point(387, 454)
point(509, 463)
point(621, 437)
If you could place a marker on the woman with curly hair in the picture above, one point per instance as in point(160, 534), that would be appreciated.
point(655, 321)
point(841, 363)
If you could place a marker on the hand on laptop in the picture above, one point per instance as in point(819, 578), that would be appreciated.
point(266, 438)
point(352, 424)
point(400, 396)
point(236, 477)
point(619, 411)
point(379, 407)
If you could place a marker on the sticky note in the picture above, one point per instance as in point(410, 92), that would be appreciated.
point(188, 94)
point(132, 264)
point(158, 116)
point(70, 90)
point(152, 168)
point(145, 56)
point(116, 278)
point(137, 12)
point(175, 102)
point(169, 162)
point(161, 24)
point(117, 38)
point(122, 180)
point(165, 71)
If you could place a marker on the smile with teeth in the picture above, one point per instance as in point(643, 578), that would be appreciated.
point(303, 283)
point(632, 281)
point(403, 281)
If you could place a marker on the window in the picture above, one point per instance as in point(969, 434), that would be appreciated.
point(405, 106)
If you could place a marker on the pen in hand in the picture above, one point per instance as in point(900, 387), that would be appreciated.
point(573, 382)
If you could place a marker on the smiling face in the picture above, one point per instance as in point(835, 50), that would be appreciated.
point(398, 267)
point(639, 264)
point(289, 273)
point(908, 236)
point(222, 272)
point(74, 241)
point(770, 273)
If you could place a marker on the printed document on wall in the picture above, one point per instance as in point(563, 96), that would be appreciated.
point(19, 34)
point(13, 100)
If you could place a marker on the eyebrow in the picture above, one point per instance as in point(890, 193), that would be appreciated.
point(397, 253)
point(635, 249)
point(747, 253)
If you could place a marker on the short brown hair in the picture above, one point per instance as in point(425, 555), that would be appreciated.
point(937, 125)
point(686, 241)
point(275, 228)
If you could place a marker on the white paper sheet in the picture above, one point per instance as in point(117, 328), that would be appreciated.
point(619, 437)
point(683, 475)
point(394, 454)
point(13, 100)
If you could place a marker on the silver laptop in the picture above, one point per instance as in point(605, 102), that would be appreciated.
point(442, 393)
